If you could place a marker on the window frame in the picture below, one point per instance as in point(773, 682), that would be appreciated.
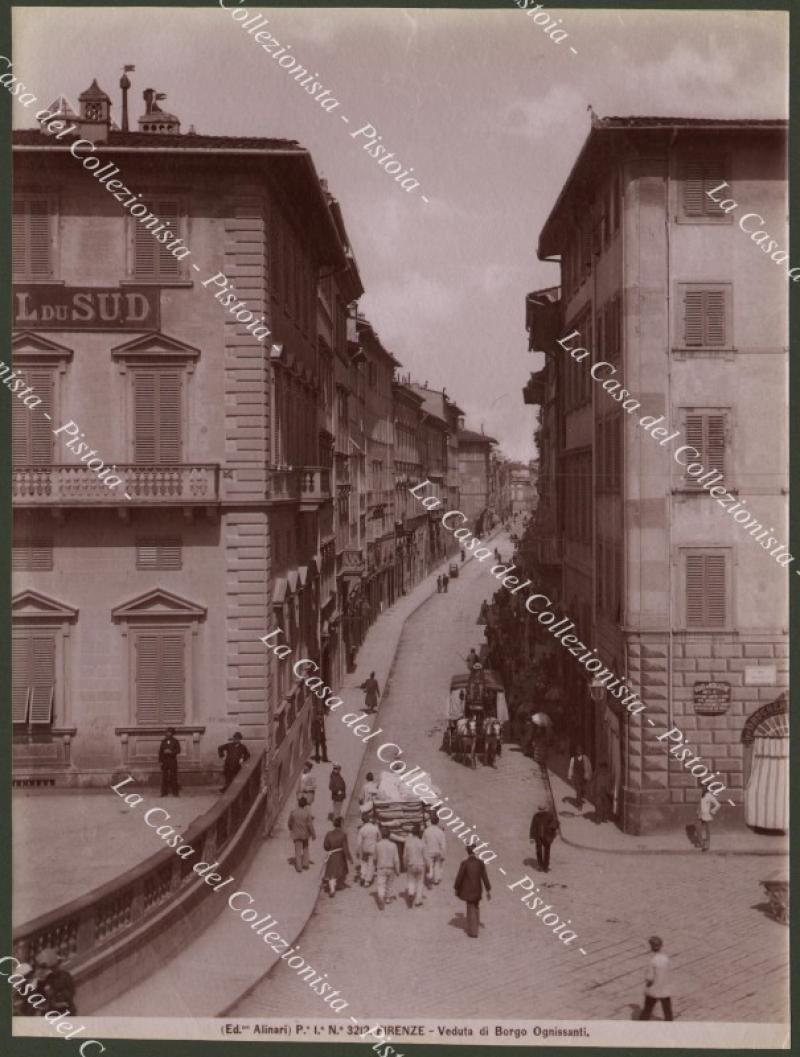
point(135, 369)
point(188, 629)
point(55, 631)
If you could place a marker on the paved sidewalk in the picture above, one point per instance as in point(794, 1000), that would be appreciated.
point(227, 960)
point(581, 831)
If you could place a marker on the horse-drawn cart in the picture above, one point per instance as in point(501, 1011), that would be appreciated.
point(476, 715)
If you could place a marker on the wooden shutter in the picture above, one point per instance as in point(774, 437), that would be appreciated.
point(173, 677)
point(715, 443)
point(157, 397)
point(32, 555)
point(31, 250)
point(705, 316)
point(706, 590)
point(144, 417)
point(169, 416)
point(160, 677)
point(31, 433)
point(700, 176)
point(693, 189)
point(714, 317)
point(21, 658)
point(33, 678)
point(158, 553)
point(151, 258)
point(147, 680)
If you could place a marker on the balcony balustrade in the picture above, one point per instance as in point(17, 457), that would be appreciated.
point(75, 485)
point(315, 486)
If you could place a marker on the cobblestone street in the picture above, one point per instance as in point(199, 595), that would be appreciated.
point(729, 960)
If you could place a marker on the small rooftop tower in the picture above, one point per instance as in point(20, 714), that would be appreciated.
point(154, 119)
point(94, 120)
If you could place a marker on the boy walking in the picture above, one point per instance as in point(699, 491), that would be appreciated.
point(656, 982)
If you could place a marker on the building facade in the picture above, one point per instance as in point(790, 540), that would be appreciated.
point(475, 477)
point(672, 299)
point(142, 605)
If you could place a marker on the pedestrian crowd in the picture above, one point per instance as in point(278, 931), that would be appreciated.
point(48, 978)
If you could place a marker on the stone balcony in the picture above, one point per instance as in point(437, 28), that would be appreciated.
point(75, 485)
point(315, 486)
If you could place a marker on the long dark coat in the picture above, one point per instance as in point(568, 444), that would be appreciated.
point(336, 865)
point(470, 879)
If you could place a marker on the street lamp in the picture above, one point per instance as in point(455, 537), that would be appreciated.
point(597, 690)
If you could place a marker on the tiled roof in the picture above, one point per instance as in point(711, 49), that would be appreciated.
point(33, 137)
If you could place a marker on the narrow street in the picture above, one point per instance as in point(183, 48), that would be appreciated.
point(729, 959)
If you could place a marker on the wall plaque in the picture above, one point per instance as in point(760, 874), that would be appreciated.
point(760, 675)
point(711, 698)
point(45, 306)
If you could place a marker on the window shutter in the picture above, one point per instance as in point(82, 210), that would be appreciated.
point(169, 417)
point(144, 417)
point(151, 258)
point(160, 678)
point(21, 662)
point(693, 189)
point(147, 680)
point(19, 248)
point(31, 436)
point(695, 567)
point(158, 553)
point(715, 443)
point(695, 436)
point(706, 590)
point(716, 607)
point(32, 555)
point(714, 311)
point(173, 677)
point(31, 256)
point(693, 317)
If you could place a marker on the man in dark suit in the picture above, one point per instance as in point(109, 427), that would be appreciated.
point(235, 753)
point(470, 882)
point(318, 736)
point(543, 830)
point(168, 752)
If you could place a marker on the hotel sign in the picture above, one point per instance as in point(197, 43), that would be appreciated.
point(56, 307)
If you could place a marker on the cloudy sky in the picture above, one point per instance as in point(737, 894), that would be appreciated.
point(488, 110)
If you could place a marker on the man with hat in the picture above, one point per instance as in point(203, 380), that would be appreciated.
point(307, 786)
point(338, 791)
point(368, 837)
point(471, 879)
point(544, 828)
point(168, 752)
point(235, 753)
point(55, 984)
point(20, 1006)
point(656, 981)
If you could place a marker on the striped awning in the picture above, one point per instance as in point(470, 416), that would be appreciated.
point(766, 799)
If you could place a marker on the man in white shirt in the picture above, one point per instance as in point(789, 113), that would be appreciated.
point(368, 837)
point(656, 982)
point(414, 861)
point(307, 787)
point(387, 861)
point(434, 843)
point(707, 808)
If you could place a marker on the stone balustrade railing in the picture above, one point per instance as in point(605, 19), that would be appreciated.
point(118, 933)
point(75, 484)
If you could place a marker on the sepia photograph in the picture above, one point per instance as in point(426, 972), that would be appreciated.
point(398, 402)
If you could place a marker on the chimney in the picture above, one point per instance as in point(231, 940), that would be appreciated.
point(124, 83)
point(94, 120)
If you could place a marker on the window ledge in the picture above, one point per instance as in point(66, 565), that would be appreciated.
point(20, 280)
point(714, 221)
point(179, 283)
point(683, 490)
point(180, 729)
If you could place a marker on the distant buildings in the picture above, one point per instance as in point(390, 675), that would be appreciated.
point(676, 597)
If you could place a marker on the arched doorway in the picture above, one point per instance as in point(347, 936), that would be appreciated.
point(765, 738)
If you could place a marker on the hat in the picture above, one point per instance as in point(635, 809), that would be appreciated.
point(238, 736)
point(656, 942)
point(24, 969)
point(48, 957)
point(337, 767)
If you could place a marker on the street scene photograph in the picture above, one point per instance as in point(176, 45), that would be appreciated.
point(398, 402)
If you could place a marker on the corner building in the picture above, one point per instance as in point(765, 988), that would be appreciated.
point(142, 606)
point(683, 309)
